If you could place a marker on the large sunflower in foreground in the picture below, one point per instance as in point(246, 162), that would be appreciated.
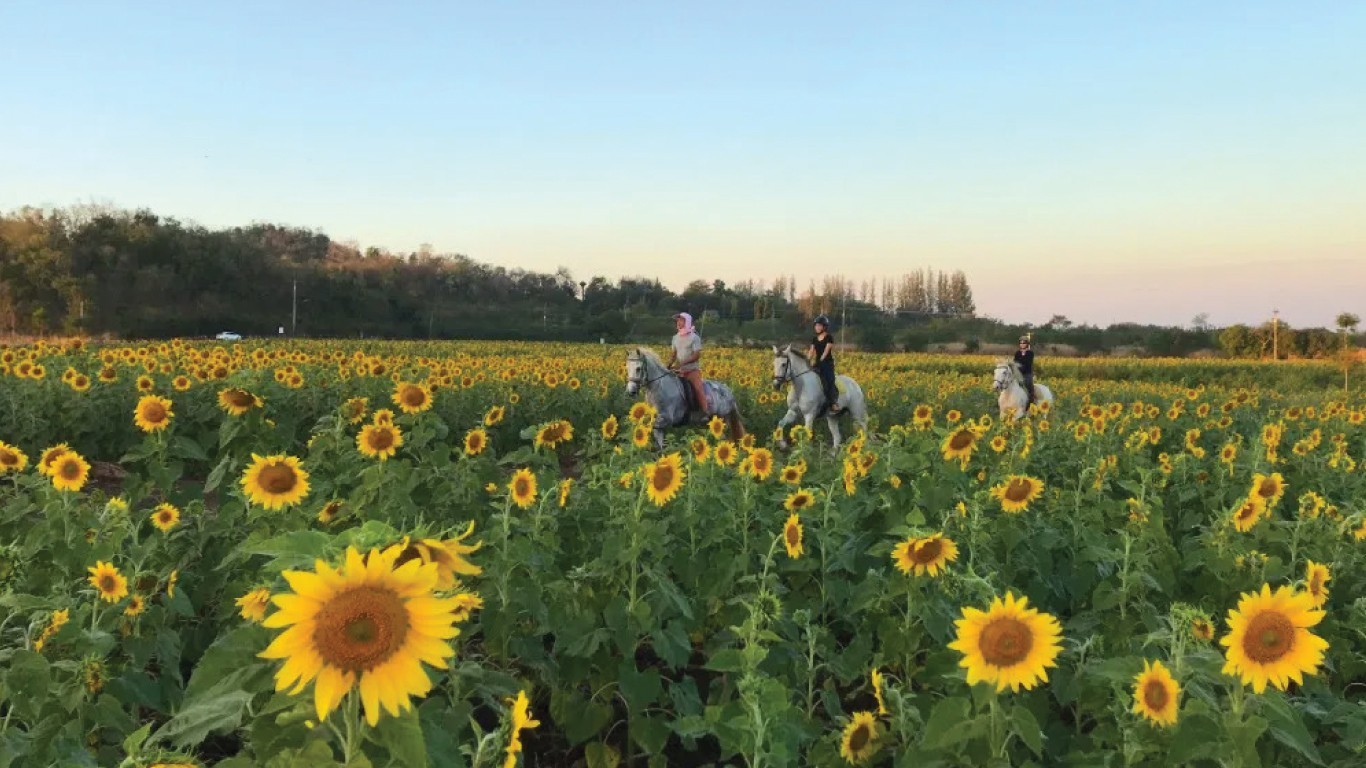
point(1017, 492)
point(1156, 694)
point(153, 413)
point(663, 478)
point(1269, 638)
point(70, 471)
point(1009, 644)
point(412, 398)
point(275, 481)
point(367, 625)
point(379, 441)
point(859, 741)
point(928, 556)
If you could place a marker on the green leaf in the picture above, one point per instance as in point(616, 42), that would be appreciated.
point(641, 689)
point(220, 709)
point(1027, 728)
point(28, 682)
point(1288, 728)
point(136, 739)
point(945, 726)
point(651, 733)
point(186, 448)
point(601, 755)
point(401, 737)
point(231, 654)
point(726, 660)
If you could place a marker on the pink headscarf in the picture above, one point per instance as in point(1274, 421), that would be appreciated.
point(687, 324)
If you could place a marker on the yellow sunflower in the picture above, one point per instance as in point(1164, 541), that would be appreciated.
point(959, 445)
point(136, 605)
point(928, 556)
point(1010, 644)
point(792, 474)
point(792, 536)
point(641, 412)
point(70, 471)
point(799, 500)
point(859, 742)
point(165, 517)
point(1268, 489)
point(379, 440)
point(1017, 492)
point(1316, 578)
point(877, 692)
point(760, 462)
point(553, 434)
point(330, 510)
point(275, 481)
point(476, 440)
point(1156, 694)
point(640, 436)
point(663, 478)
point(447, 554)
point(252, 606)
point(412, 398)
point(153, 413)
point(700, 449)
point(494, 416)
point(366, 625)
point(725, 453)
point(1202, 629)
point(383, 416)
point(1269, 638)
point(11, 458)
point(523, 488)
point(236, 401)
point(521, 721)
point(1248, 514)
point(717, 427)
point(609, 427)
point(108, 582)
point(354, 410)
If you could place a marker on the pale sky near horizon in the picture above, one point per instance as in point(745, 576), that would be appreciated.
point(1107, 161)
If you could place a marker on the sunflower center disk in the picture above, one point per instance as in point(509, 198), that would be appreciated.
point(1018, 490)
point(1006, 642)
point(1155, 695)
point(381, 439)
point(71, 470)
point(793, 536)
point(154, 412)
point(664, 477)
point(278, 478)
point(961, 439)
point(928, 552)
point(238, 399)
point(1269, 637)
point(106, 583)
point(361, 629)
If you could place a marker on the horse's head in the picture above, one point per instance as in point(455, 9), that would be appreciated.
point(782, 366)
point(1005, 375)
point(635, 371)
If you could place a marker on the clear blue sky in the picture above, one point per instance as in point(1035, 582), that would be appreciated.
point(1108, 161)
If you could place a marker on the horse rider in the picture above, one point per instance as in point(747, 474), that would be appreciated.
point(822, 357)
point(686, 352)
point(1024, 357)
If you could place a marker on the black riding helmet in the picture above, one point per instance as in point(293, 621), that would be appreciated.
point(821, 320)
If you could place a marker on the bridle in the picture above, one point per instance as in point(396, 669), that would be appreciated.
point(787, 376)
point(642, 382)
point(999, 384)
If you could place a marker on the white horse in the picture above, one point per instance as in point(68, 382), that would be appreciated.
point(1009, 382)
point(807, 396)
point(666, 392)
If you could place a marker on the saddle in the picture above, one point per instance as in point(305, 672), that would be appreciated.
point(693, 411)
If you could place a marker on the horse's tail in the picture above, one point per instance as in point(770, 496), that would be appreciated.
point(737, 427)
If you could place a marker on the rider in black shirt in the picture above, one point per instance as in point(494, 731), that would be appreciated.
point(821, 354)
point(1024, 357)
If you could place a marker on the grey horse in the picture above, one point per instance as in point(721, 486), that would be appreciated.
point(806, 398)
point(664, 390)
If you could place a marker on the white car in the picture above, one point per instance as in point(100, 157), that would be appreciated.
point(229, 336)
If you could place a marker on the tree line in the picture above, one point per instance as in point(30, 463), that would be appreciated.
point(133, 274)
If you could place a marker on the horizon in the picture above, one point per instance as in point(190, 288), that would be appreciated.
point(1111, 165)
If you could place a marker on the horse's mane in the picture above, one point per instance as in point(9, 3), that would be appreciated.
point(649, 354)
point(794, 356)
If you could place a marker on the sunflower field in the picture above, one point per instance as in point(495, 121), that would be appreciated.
point(467, 554)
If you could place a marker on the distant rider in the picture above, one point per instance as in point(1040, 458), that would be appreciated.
point(687, 351)
point(1024, 357)
point(822, 357)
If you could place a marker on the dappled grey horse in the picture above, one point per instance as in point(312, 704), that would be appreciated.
point(806, 398)
point(665, 391)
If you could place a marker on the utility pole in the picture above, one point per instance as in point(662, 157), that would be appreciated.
point(1275, 328)
point(294, 313)
point(844, 310)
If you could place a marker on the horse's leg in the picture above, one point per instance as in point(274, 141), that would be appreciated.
point(834, 423)
point(787, 420)
point(659, 432)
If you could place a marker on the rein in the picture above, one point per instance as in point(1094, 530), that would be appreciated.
point(789, 377)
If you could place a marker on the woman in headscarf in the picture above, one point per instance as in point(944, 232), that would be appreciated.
point(687, 352)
